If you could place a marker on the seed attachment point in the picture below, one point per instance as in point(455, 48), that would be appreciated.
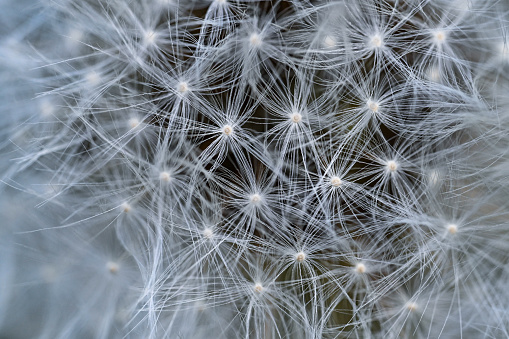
point(360, 268)
point(228, 130)
point(452, 228)
point(392, 166)
point(300, 257)
point(296, 117)
point(336, 181)
point(258, 288)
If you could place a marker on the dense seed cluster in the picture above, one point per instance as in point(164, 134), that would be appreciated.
point(254, 169)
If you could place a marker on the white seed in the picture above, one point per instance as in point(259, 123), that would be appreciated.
point(182, 87)
point(360, 268)
point(150, 37)
point(300, 257)
point(112, 267)
point(93, 78)
point(255, 198)
point(208, 233)
point(165, 176)
point(258, 288)
point(439, 36)
point(329, 41)
point(376, 41)
point(373, 106)
point(296, 117)
point(125, 207)
point(452, 228)
point(227, 130)
point(392, 166)
point(134, 123)
point(255, 40)
point(335, 181)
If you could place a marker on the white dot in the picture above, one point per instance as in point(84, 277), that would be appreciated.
point(227, 130)
point(258, 288)
point(373, 106)
point(255, 198)
point(439, 36)
point(329, 41)
point(208, 233)
point(392, 166)
point(93, 78)
point(150, 37)
point(165, 176)
point(182, 87)
point(296, 117)
point(376, 41)
point(412, 306)
point(335, 181)
point(255, 40)
point(125, 207)
point(452, 228)
point(300, 257)
point(134, 123)
point(360, 268)
point(112, 267)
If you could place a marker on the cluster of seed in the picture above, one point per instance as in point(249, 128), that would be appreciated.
point(257, 169)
